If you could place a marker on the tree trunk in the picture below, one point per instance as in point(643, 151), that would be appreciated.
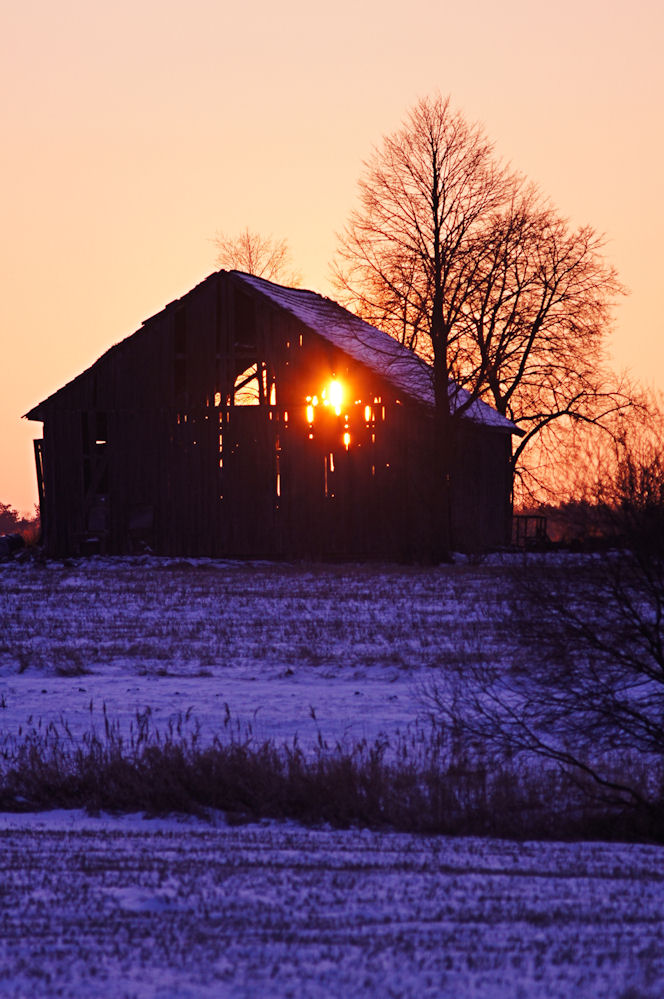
point(443, 446)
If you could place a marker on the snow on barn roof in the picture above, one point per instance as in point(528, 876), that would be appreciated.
point(408, 373)
point(372, 347)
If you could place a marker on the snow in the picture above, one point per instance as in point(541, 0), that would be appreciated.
point(292, 650)
point(173, 907)
point(162, 909)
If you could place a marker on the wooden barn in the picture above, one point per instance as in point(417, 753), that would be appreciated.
point(252, 420)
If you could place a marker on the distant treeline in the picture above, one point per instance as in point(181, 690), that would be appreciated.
point(13, 522)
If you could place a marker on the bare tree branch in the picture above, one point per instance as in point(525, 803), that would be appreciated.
point(262, 256)
point(463, 261)
point(585, 686)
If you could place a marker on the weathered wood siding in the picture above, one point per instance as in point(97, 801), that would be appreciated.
point(152, 446)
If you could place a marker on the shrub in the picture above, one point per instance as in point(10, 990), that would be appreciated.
point(587, 690)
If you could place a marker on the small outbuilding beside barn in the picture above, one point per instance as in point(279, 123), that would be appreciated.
point(252, 420)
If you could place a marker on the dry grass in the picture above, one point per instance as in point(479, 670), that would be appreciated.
point(416, 782)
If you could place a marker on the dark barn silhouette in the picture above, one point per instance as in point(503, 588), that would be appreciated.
point(251, 420)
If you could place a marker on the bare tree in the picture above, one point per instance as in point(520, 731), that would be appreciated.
point(463, 261)
point(405, 262)
point(263, 256)
point(538, 318)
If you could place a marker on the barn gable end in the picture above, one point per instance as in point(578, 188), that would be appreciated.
point(251, 420)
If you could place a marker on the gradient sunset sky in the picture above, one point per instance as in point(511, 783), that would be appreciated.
point(133, 132)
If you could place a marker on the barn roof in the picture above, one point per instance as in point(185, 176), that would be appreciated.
point(372, 347)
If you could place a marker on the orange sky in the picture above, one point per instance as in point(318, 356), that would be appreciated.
point(134, 131)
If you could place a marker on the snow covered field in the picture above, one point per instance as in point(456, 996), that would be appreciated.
point(130, 907)
point(289, 649)
point(126, 907)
